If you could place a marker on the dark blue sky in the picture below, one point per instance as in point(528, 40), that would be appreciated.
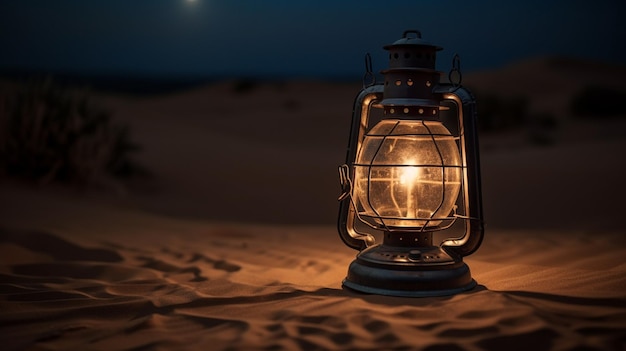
point(295, 37)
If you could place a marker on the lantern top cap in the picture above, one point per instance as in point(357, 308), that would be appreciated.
point(411, 38)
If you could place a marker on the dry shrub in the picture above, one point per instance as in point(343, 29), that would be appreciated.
point(49, 133)
point(598, 101)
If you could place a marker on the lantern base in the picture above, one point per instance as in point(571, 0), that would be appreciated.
point(408, 271)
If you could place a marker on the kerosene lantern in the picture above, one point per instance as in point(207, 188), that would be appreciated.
point(412, 178)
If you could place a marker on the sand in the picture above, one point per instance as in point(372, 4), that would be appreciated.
point(104, 278)
point(232, 245)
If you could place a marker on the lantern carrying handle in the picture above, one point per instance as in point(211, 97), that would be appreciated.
point(455, 76)
point(417, 33)
point(369, 78)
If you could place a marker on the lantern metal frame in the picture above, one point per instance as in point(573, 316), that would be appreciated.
point(408, 262)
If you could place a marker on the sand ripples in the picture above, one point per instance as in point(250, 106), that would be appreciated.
point(224, 297)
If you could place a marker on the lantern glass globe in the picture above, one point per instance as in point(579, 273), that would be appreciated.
point(407, 174)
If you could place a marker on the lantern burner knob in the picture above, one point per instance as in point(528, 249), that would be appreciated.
point(415, 255)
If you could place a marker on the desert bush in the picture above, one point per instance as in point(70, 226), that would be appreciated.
point(597, 101)
point(498, 113)
point(50, 133)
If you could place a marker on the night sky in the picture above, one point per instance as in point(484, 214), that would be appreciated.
point(322, 38)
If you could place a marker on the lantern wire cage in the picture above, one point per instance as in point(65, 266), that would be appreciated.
point(380, 222)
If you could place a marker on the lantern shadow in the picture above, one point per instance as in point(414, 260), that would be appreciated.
point(412, 301)
point(517, 295)
point(565, 299)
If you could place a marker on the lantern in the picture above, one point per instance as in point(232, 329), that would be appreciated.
point(411, 201)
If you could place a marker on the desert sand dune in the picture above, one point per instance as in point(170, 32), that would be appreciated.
point(231, 244)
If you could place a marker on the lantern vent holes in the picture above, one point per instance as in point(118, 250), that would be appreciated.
point(409, 82)
point(415, 239)
point(403, 112)
point(431, 256)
